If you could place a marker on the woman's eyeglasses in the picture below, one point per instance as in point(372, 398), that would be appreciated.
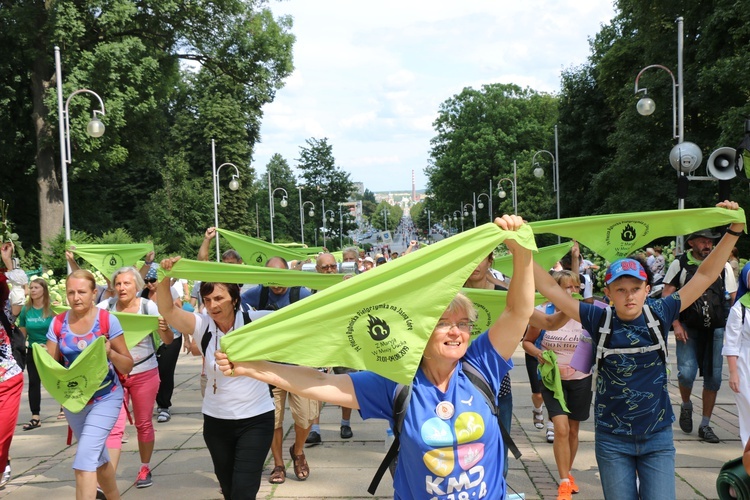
point(150, 280)
point(445, 326)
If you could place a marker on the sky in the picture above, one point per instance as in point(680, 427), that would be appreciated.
point(371, 76)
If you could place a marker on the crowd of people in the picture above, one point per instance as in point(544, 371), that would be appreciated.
point(578, 350)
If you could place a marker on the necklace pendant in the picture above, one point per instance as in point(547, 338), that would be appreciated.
point(445, 410)
point(214, 386)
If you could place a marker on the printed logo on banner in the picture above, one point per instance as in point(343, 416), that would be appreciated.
point(621, 235)
point(374, 329)
point(113, 260)
point(258, 257)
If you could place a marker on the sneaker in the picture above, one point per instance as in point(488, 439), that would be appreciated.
point(312, 439)
point(346, 432)
point(573, 486)
point(550, 433)
point(144, 477)
point(707, 434)
point(686, 420)
point(125, 437)
point(6, 475)
point(164, 415)
point(564, 491)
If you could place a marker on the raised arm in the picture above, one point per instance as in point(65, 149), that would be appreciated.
point(180, 319)
point(509, 327)
point(712, 265)
point(301, 380)
point(549, 322)
point(548, 287)
point(203, 250)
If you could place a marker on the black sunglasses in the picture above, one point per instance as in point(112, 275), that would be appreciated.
point(150, 280)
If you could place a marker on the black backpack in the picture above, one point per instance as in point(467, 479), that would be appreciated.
point(17, 340)
point(401, 404)
point(708, 311)
point(263, 304)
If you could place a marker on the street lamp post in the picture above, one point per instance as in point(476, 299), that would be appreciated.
point(646, 106)
point(429, 225)
point(95, 128)
point(341, 227)
point(473, 210)
point(234, 185)
point(455, 219)
point(539, 171)
point(302, 215)
point(283, 201)
point(480, 205)
point(325, 213)
point(448, 218)
point(385, 213)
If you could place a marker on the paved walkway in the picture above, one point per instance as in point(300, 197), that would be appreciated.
point(340, 469)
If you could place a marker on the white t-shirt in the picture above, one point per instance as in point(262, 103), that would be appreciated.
point(143, 350)
point(235, 398)
point(730, 284)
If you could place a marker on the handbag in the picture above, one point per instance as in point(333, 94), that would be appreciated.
point(17, 340)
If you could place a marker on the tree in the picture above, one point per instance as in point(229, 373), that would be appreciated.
point(479, 134)
point(286, 219)
point(368, 202)
point(325, 183)
point(130, 53)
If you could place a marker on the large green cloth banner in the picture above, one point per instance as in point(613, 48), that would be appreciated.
point(134, 326)
point(489, 305)
point(255, 252)
point(73, 387)
point(109, 258)
point(545, 257)
point(233, 273)
point(618, 235)
point(379, 320)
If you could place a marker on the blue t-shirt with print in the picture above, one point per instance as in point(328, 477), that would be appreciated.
point(252, 298)
point(458, 456)
point(72, 345)
point(632, 397)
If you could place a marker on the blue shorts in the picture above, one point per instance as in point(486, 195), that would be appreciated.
point(91, 427)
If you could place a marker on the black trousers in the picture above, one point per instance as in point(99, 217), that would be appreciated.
point(35, 384)
point(167, 356)
point(238, 450)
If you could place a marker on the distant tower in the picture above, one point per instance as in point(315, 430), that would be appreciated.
point(413, 188)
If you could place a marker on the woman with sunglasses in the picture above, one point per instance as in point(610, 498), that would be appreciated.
point(166, 354)
point(450, 442)
point(142, 383)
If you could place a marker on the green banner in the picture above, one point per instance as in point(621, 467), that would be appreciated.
point(232, 273)
point(618, 235)
point(109, 258)
point(379, 320)
point(255, 252)
point(489, 305)
point(545, 257)
point(134, 326)
point(73, 387)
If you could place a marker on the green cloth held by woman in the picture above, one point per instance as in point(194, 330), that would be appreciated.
point(551, 377)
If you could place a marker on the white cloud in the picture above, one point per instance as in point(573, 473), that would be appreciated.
point(371, 77)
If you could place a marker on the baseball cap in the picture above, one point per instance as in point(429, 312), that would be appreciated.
point(703, 233)
point(625, 267)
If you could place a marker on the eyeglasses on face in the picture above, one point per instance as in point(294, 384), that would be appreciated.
point(445, 326)
point(330, 267)
point(150, 280)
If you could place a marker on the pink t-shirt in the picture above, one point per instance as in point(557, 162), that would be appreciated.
point(564, 342)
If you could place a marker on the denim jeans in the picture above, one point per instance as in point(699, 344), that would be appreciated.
point(505, 407)
point(650, 456)
point(687, 361)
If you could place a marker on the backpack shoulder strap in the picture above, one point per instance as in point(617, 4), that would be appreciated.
point(205, 340)
point(263, 299)
point(104, 322)
point(57, 324)
point(478, 380)
point(294, 294)
point(401, 398)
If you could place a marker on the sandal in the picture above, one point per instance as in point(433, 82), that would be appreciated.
point(61, 415)
point(301, 469)
point(33, 424)
point(538, 418)
point(278, 475)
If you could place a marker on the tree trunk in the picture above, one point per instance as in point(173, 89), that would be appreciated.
point(49, 189)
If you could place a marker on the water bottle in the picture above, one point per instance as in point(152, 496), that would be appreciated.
point(389, 438)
